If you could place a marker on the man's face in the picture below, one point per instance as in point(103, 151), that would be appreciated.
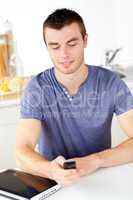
point(66, 47)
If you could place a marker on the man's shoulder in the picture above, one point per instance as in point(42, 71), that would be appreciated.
point(102, 70)
point(103, 73)
point(40, 78)
point(106, 78)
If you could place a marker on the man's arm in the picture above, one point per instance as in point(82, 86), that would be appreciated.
point(29, 160)
point(121, 154)
point(26, 139)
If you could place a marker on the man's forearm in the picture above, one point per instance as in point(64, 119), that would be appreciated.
point(32, 162)
point(118, 155)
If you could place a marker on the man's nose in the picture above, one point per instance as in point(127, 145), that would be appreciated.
point(64, 52)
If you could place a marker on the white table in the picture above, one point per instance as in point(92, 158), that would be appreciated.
point(114, 183)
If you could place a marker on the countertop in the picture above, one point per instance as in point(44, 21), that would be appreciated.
point(10, 99)
point(113, 183)
point(106, 184)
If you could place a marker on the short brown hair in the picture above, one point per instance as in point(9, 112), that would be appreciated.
point(63, 17)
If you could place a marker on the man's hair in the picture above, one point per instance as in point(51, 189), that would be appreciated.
point(63, 17)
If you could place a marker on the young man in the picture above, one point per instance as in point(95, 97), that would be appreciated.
point(67, 110)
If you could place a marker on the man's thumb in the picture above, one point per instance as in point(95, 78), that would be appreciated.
point(60, 160)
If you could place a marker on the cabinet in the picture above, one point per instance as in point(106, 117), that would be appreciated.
point(9, 116)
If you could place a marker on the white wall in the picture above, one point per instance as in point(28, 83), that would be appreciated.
point(102, 18)
point(124, 30)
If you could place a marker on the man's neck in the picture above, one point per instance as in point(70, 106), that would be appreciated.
point(72, 81)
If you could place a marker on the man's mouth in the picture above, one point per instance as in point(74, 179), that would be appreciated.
point(66, 63)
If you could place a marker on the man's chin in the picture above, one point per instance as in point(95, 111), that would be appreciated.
point(66, 70)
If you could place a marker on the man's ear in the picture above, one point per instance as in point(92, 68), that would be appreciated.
point(85, 40)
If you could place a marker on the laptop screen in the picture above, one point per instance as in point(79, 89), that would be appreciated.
point(24, 184)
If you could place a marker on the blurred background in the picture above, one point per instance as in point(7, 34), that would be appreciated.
point(108, 23)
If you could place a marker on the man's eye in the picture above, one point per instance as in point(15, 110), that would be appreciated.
point(55, 48)
point(72, 44)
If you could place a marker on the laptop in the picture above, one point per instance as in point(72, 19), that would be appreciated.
point(16, 184)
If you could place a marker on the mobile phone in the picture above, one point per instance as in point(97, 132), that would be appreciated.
point(69, 165)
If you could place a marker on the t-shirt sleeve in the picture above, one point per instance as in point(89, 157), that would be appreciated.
point(30, 106)
point(123, 98)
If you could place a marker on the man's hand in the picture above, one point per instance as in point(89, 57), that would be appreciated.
point(63, 176)
point(87, 164)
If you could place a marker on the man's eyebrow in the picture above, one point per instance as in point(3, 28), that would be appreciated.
point(53, 43)
point(72, 39)
point(56, 43)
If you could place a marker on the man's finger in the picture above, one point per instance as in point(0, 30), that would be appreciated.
point(60, 160)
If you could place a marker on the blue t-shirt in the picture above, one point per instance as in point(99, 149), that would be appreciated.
point(79, 125)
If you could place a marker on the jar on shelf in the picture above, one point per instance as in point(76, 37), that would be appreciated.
point(4, 64)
